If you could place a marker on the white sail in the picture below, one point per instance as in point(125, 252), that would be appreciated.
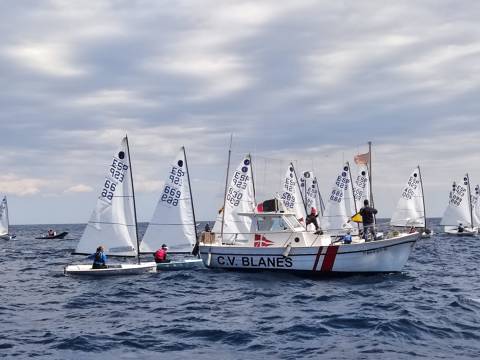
point(239, 199)
point(172, 222)
point(361, 187)
point(112, 223)
point(340, 205)
point(458, 209)
point(4, 217)
point(311, 194)
point(291, 196)
point(409, 210)
point(476, 206)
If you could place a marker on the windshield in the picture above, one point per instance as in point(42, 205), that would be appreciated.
point(271, 223)
point(293, 222)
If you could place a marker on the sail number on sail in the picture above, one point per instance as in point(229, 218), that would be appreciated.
point(240, 181)
point(412, 184)
point(172, 192)
point(457, 195)
point(116, 174)
point(342, 184)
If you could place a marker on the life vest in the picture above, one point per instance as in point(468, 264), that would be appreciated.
point(98, 259)
point(160, 255)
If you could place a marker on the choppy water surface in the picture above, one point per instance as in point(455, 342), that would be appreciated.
point(430, 310)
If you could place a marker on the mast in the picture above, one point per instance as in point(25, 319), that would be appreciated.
point(353, 193)
point(6, 215)
point(469, 201)
point(320, 200)
point(369, 167)
point(226, 185)
point(195, 248)
point(301, 195)
point(253, 181)
point(423, 196)
point(133, 198)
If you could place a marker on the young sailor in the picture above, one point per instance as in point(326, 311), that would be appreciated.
point(347, 238)
point(312, 219)
point(368, 222)
point(99, 259)
point(460, 228)
point(161, 255)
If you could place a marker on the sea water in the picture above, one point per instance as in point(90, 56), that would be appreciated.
point(430, 310)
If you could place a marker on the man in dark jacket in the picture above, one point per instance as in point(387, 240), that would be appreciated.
point(368, 220)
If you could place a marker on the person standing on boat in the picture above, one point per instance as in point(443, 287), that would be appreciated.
point(367, 212)
point(161, 255)
point(312, 219)
point(99, 259)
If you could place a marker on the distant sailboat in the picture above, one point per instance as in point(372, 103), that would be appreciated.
point(410, 210)
point(113, 223)
point(4, 222)
point(340, 205)
point(459, 210)
point(173, 221)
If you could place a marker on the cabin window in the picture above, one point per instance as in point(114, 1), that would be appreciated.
point(293, 222)
point(270, 223)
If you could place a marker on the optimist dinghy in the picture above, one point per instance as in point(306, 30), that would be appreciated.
point(458, 217)
point(274, 240)
point(4, 222)
point(173, 221)
point(410, 210)
point(113, 223)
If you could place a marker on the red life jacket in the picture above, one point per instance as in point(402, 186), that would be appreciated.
point(160, 255)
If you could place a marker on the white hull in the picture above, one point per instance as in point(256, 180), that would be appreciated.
point(117, 269)
point(463, 233)
point(180, 264)
point(7, 237)
point(388, 255)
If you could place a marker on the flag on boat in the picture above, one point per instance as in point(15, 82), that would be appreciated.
point(261, 241)
point(362, 159)
point(357, 218)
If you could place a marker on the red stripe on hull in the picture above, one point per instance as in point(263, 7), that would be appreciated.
point(317, 258)
point(329, 258)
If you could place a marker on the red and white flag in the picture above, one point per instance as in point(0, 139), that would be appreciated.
point(362, 159)
point(261, 241)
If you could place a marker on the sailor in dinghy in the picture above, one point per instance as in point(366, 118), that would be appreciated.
point(173, 221)
point(113, 222)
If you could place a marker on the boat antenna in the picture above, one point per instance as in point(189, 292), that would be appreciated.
point(226, 185)
point(133, 198)
point(423, 197)
point(195, 248)
point(353, 193)
point(469, 201)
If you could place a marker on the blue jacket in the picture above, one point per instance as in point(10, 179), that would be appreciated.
point(98, 258)
point(347, 238)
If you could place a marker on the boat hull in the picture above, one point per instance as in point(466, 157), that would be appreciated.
point(117, 269)
point(59, 236)
point(180, 265)
point(381, 256)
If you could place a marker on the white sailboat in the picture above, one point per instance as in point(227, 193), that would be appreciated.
point(340, 206)
point(459, 210)
point(4, 221)
point(476, 206)
point(410, 210)
point(113, 223)
point(173, 221)
point(291, 196)
point(276, 241)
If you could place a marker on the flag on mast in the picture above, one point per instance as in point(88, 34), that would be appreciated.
point(362, 159)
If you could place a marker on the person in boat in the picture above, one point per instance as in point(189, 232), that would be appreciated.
point(460, 228)
point(368, 221)
point(160, 255)
point(312, 219)
point(51, 233)
point(207, 228)
point(412, 230)
point(99, 259)
point(347, 238)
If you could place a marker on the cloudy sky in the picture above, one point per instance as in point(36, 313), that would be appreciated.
point(307, 81)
